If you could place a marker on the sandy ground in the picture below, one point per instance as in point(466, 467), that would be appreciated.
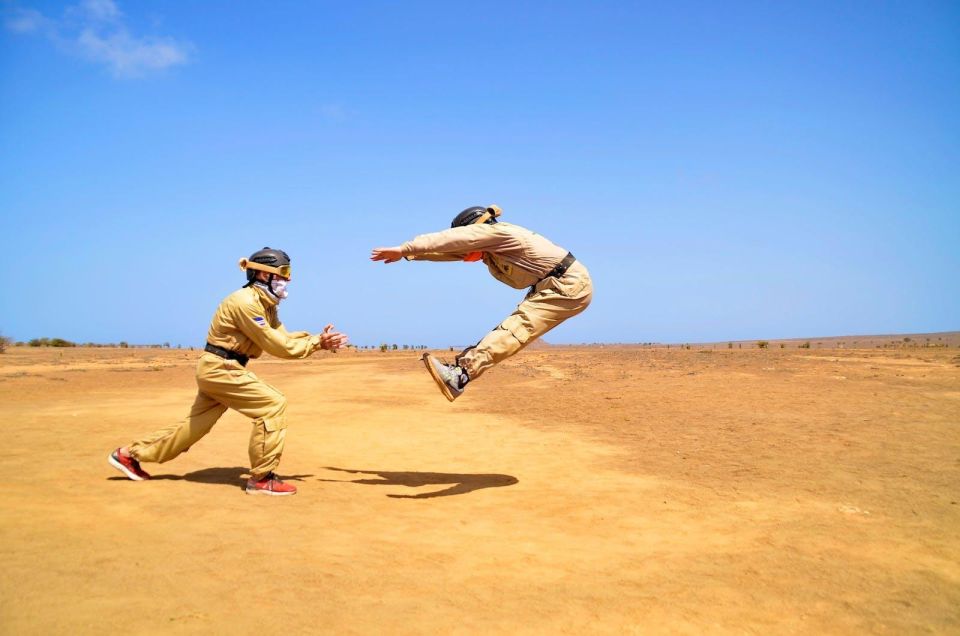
point(570, 491)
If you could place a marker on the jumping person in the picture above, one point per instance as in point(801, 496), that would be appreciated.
point(245, 325)
point(559, 286)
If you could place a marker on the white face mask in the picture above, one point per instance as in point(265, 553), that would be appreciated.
point(279, 287)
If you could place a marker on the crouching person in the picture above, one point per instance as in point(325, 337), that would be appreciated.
point(244, 326)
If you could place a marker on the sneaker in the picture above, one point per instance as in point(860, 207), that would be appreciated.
point(269, 484)
point(450, 378)
point(128, 466)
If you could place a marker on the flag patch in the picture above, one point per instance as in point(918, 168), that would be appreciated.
point(260, 321)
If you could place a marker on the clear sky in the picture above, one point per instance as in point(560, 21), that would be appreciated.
point(725, 170)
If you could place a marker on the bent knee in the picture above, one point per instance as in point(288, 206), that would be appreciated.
point(279, 406)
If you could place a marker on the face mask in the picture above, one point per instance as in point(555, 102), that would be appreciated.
point(279, 287)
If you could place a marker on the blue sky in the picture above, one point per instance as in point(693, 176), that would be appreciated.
point(725, 170)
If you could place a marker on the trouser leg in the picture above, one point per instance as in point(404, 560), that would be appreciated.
point(244, 392)
point(165, 444)
point(548, 305)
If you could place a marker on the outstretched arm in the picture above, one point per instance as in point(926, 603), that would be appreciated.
point(447, 245)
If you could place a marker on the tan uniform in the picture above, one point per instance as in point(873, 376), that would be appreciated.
point(246, 323)
point(519, 258)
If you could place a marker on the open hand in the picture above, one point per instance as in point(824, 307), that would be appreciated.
point(332, 340)
point(386, 254)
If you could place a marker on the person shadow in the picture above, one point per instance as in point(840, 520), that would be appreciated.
point(232, 476)
point(460, 484)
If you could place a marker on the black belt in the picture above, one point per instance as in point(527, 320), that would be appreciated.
point(561, 269)
point(226, 353)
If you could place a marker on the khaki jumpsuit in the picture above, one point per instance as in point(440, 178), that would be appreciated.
point(246, 323)
point(519, 258)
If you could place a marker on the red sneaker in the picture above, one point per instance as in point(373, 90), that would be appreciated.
point(128, 466)
point(269, 484)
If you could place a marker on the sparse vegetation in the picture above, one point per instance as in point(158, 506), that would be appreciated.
point(4, 343)
point(762, 344)
point(805, 345)
point(51, 342)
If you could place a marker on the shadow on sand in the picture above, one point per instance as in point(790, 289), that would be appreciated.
point(460, 484)
point(233, 476)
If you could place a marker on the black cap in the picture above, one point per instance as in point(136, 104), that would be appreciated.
point(267, 256)
point(470, 216)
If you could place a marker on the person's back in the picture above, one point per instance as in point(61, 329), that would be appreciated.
point(515, 256)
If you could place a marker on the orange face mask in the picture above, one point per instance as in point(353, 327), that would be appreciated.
point(473, 257)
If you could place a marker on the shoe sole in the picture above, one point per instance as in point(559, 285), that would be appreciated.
point(269, 493)
point(447, 393)
point(123, 469)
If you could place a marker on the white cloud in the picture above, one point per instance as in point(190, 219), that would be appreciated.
point(101, 10)
point(25, 21)
point(128, 56)
point(95, 30)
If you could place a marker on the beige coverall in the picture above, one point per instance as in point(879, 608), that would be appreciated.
point(246, 322)
point(519, 258)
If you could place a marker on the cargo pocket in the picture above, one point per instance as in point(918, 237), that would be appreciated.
point(514, 324)
point(266, 445)
point(274, 424)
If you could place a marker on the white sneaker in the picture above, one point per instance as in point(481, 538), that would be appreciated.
point(450, 378)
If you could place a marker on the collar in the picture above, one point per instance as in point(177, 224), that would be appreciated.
point(268, 298)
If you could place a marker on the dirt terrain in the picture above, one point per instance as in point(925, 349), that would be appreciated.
point(599, 490)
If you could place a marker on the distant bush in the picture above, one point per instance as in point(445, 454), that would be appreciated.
point(383, 348)
point(729, 345)
point(783, 346)
point(763, 344)
point(4, 343)
point(51, 342)
point(805, 345)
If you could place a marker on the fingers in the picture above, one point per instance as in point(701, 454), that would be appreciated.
point(386, 254)
point(332, 339)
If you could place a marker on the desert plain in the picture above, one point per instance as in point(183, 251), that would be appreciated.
point(571, 490)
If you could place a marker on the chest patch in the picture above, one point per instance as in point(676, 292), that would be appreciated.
point(260, 321)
